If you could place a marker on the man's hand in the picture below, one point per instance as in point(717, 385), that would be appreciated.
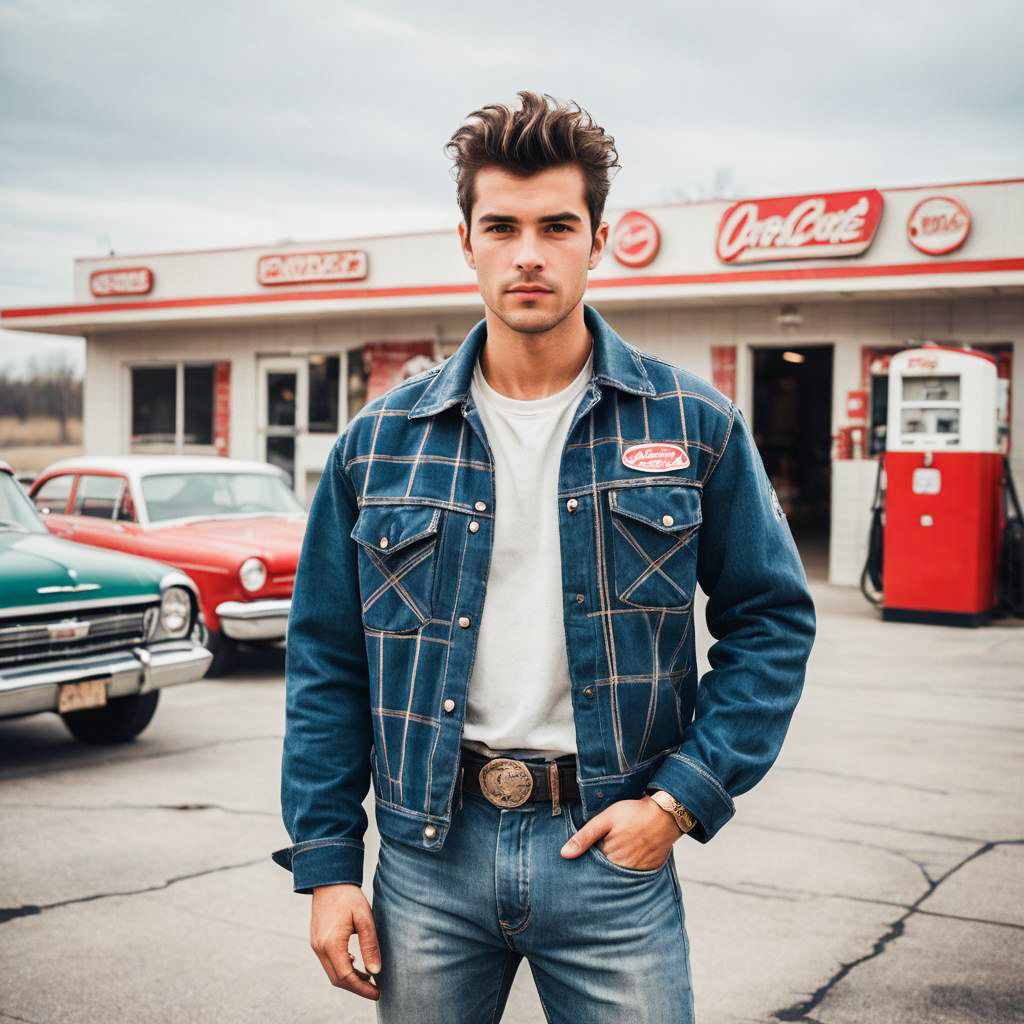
point(338, 911)
point(637, 834)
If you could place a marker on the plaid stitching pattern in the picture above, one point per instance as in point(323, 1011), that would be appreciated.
point(441, 459)
point(415, 465)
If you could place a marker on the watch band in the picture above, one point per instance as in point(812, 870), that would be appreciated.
point(683, 818)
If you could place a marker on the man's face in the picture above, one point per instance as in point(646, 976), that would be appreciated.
point(531, 246)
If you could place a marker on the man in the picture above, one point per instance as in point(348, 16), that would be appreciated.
point(493, 619)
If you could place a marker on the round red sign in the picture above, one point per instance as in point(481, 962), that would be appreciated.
point(938, 225)
point(635, 240)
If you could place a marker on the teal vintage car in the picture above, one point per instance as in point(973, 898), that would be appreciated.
point(88, 633)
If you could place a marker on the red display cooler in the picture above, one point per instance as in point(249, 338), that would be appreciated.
point(943, 513)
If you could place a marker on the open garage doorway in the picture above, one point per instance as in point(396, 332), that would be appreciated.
point(793, 429)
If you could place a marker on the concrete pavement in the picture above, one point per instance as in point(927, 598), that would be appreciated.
point(874, 876)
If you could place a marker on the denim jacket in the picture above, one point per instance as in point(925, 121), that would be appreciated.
point(390, 589)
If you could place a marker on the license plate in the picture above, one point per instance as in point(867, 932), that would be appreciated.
point(91, 693)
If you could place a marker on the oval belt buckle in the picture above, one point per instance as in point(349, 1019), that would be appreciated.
point(506, 782)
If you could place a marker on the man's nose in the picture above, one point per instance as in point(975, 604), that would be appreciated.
point(528, 253)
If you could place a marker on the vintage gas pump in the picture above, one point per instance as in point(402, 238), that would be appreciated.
point(943, 495)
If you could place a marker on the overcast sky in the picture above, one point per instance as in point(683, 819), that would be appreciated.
point(178, 125)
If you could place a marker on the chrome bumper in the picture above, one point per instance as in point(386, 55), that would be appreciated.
point(254, 620)
point(26, 689)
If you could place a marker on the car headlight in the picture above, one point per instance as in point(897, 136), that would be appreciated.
point(253, 574)
point(175, 612)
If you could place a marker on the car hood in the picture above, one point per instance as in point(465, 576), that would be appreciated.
point(30, 562)
point(275, 539)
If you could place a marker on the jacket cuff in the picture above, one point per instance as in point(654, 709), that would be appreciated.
point(697, 789)
point(322, 862)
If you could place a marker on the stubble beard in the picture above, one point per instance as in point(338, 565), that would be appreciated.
point(548, 324)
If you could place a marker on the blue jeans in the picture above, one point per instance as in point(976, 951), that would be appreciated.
point(606, 943)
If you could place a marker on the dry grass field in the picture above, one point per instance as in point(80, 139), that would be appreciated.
point(30, 445)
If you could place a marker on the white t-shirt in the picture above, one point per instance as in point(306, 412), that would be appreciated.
point(519, 690)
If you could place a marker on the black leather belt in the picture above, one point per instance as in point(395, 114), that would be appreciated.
point(509, 782)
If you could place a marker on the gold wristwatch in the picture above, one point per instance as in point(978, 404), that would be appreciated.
point(683, 818)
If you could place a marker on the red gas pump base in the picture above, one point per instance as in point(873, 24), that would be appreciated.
point(967, 619)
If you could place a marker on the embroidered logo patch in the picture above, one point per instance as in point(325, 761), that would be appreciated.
point(655, 457)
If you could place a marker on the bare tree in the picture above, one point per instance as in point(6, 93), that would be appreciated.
point(723, 185)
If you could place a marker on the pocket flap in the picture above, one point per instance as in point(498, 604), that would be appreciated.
point(669, 509)
point(387, 528)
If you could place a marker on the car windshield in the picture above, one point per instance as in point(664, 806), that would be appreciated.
point(179, 495)
point(17, 513)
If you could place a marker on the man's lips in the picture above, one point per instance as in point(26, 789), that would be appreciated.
point(529, 290)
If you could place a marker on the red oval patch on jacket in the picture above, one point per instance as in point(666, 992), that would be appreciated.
point(655, 457)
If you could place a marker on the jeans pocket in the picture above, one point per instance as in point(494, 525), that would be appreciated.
point(574, 822)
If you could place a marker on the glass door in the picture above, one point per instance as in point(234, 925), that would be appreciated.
point(283, 410)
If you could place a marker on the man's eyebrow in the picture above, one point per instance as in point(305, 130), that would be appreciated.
point(552, 218)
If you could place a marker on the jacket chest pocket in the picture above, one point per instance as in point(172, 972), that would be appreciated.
point(397, 565)
point(654, 545)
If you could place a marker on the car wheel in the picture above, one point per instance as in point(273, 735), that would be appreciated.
point(223, 649)
point(119, 720)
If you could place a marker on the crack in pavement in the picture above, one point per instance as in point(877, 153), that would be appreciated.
point(863, 778)
point(902, 854)
point(799, 1011)
point(135, 807)
point(155, 755)
point(789, 894)
point(33, 909)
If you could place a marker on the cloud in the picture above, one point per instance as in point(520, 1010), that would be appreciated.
point(180, 125)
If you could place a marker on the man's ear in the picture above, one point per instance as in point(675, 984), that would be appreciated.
point(467, 249)
point(598, 245)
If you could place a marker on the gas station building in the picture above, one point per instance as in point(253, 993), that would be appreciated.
point(792, 306)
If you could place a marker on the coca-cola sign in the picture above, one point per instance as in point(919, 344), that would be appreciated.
point(635, 240)
point(938, 225)
point(799, 227)
point(122, 281)
point(307, 267)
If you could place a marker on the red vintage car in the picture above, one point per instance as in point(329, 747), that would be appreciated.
point(235, 527)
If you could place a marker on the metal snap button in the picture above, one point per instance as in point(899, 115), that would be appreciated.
point(464, 621)
point(667, 520)
point(480, 506)
point(474, 526)
point(449, 705)
point(383, 542)
point(579, 599)
point(430, 832)
point(572, 504)
point(588, 692)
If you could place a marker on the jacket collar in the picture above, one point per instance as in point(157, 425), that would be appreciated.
point(615, 363)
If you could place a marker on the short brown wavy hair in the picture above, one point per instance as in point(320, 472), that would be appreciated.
point(544, 133)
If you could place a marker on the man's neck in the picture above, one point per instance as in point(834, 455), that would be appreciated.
point(530, 366)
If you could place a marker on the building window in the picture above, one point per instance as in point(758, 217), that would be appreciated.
point(324, 380)
point(199, 404)
point(358, 381)
point(153, 402)
point(172, 407)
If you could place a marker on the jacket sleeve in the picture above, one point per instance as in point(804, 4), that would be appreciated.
point(325, 772)
point(762, 617)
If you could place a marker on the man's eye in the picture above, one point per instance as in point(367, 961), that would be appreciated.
point(560, 229)
point(500, 228)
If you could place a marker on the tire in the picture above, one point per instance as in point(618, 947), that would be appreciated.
point(223, 649)
point(118, 721)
